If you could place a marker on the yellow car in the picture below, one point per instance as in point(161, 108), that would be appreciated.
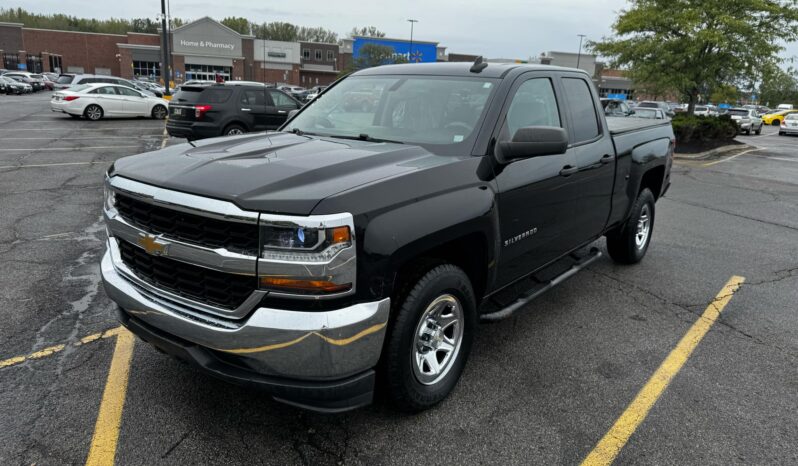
point(776, 118)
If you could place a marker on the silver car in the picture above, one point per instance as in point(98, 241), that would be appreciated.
point(747, 119)
point(789, 125)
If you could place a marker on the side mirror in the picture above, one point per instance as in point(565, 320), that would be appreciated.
point(293, 112)
point(532, 141)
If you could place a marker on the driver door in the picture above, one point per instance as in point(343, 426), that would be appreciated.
point(279, 107)
point(537, 200)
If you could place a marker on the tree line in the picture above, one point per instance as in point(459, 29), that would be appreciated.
point(275, 30)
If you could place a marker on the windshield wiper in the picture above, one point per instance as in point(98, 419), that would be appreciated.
point(362, 137)
point(299, 132)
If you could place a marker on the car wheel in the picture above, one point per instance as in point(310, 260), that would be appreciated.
point(775, 123)
point(430, 338)
point(233, 130)
point(628, 244)
point(159, 112)
point(759, 130)
point(93, 112)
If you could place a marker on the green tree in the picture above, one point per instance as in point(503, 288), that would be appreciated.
point(276, 30)
point(725, 94)
point(318, 34)
point(375, 55)
point(237, 24)
point(61, 22)
point(779, 86)
point(366, 31)
point(696, 46)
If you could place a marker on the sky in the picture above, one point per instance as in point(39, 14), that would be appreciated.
point(495, 29)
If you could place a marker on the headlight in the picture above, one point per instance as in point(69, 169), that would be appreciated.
point(109, 196)
point(310, 256)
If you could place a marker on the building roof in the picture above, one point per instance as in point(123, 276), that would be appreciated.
point(396, 40)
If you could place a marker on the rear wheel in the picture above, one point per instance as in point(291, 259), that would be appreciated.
point(628, 244)
point(93, 112)
point(159, 112)
point(775, 123)
point(430, 338)
point(234, 130)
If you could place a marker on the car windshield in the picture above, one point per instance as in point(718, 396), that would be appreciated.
point(440, 113)
point(646, 113)
point(65, 79)
point(700, 109)
point(649, 105)
point(792, 116)
point(738, 112)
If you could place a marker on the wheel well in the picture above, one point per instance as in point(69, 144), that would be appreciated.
point(653, 180)
point(234, 123)
point(469, 252)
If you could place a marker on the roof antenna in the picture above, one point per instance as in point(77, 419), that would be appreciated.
point(478, 65)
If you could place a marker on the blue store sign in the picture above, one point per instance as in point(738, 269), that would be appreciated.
point(423, 52)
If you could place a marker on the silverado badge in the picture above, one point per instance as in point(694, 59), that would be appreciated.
point(152, 245)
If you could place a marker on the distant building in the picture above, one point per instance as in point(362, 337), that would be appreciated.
point(586, 62)
point(414, 52)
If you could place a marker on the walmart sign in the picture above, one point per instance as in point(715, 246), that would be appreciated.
point(423, 52)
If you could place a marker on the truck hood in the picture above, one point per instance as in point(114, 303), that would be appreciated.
point(274, 172)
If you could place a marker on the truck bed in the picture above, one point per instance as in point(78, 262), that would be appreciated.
point(620, 125)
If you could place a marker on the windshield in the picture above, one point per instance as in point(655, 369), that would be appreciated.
point(700, 109)
point(646, 113)
point(649, 105)
point(738, 112)
point(65, 79)
point(441, 112)
point(79, 87)
point(792, 116)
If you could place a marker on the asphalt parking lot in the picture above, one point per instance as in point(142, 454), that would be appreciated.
point(542, 387)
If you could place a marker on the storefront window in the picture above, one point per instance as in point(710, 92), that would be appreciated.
point(10, 61)
point(207, 72)
point(149, 69)
point(55, 63)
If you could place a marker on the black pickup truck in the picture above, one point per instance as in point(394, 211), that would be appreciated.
point(369, 236)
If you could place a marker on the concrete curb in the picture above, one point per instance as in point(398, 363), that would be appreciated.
point(713, 152)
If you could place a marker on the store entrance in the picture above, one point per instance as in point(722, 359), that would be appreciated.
point(207, 72)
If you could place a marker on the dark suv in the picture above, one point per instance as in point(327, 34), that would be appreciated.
point(226, 109)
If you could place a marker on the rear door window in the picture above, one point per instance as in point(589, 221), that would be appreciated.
point(253, 97)
point(584, 121)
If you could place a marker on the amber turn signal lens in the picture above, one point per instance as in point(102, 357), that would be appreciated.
point(341, 235)
point(303, 286)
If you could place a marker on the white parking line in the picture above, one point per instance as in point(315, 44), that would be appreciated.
point(777, 158)
point(68, 148)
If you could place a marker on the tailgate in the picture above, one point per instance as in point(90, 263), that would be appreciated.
point(181, 112)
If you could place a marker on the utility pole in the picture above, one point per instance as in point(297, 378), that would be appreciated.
point(410, 54)
point(165, 49)
point(579, 55)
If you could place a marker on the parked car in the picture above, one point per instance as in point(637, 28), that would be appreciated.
point(616, 107)
point(701, 110)
point(649, 113)
point(66, 81)
point(777, 117)
point(100, 100)
point(34, 80)
point(297, 261)
point(197, 112)
point(314, 92)
point(17, 85)
point(789, 125)
point(49, 84)
point(785, 107)
point(747, 120)
point(666, 109)
point(297, 92)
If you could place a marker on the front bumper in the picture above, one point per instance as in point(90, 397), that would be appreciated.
point(318, 360)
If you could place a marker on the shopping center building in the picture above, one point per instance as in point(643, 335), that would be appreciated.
point(201, 49)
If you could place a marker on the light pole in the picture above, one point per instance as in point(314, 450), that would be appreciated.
point(579, 55)
point(410, 54)
point(164, 49)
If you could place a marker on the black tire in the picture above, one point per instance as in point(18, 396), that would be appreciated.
point(775, 123)
point(759, 131)
point(623, 243)
point(447, 285)
point(158, 112)
point(781, 134)
point(233, 130)
point(93, 112)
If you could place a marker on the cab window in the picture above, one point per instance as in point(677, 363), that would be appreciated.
point(533, 104)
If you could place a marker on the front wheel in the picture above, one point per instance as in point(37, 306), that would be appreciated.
point(628, 244)
point(234, 130)
point(430, 338)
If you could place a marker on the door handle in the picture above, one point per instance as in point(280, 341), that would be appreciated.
point(568, 170)
point(281, 111)
point(246, 109)
point(607, 158)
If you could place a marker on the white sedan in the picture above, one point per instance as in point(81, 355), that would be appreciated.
point(95, 101)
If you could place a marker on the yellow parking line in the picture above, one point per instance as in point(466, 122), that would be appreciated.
point(165, 138)
point(109, 419)
point(613, 441)
point(49, 351)
point(731, 158)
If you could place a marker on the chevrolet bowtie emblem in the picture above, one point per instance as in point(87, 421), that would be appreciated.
point(152, 245)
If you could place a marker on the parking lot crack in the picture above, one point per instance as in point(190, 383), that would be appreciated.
point(734, 214)
point(176, 444)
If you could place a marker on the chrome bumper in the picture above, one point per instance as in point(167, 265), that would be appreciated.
point(307, 345)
